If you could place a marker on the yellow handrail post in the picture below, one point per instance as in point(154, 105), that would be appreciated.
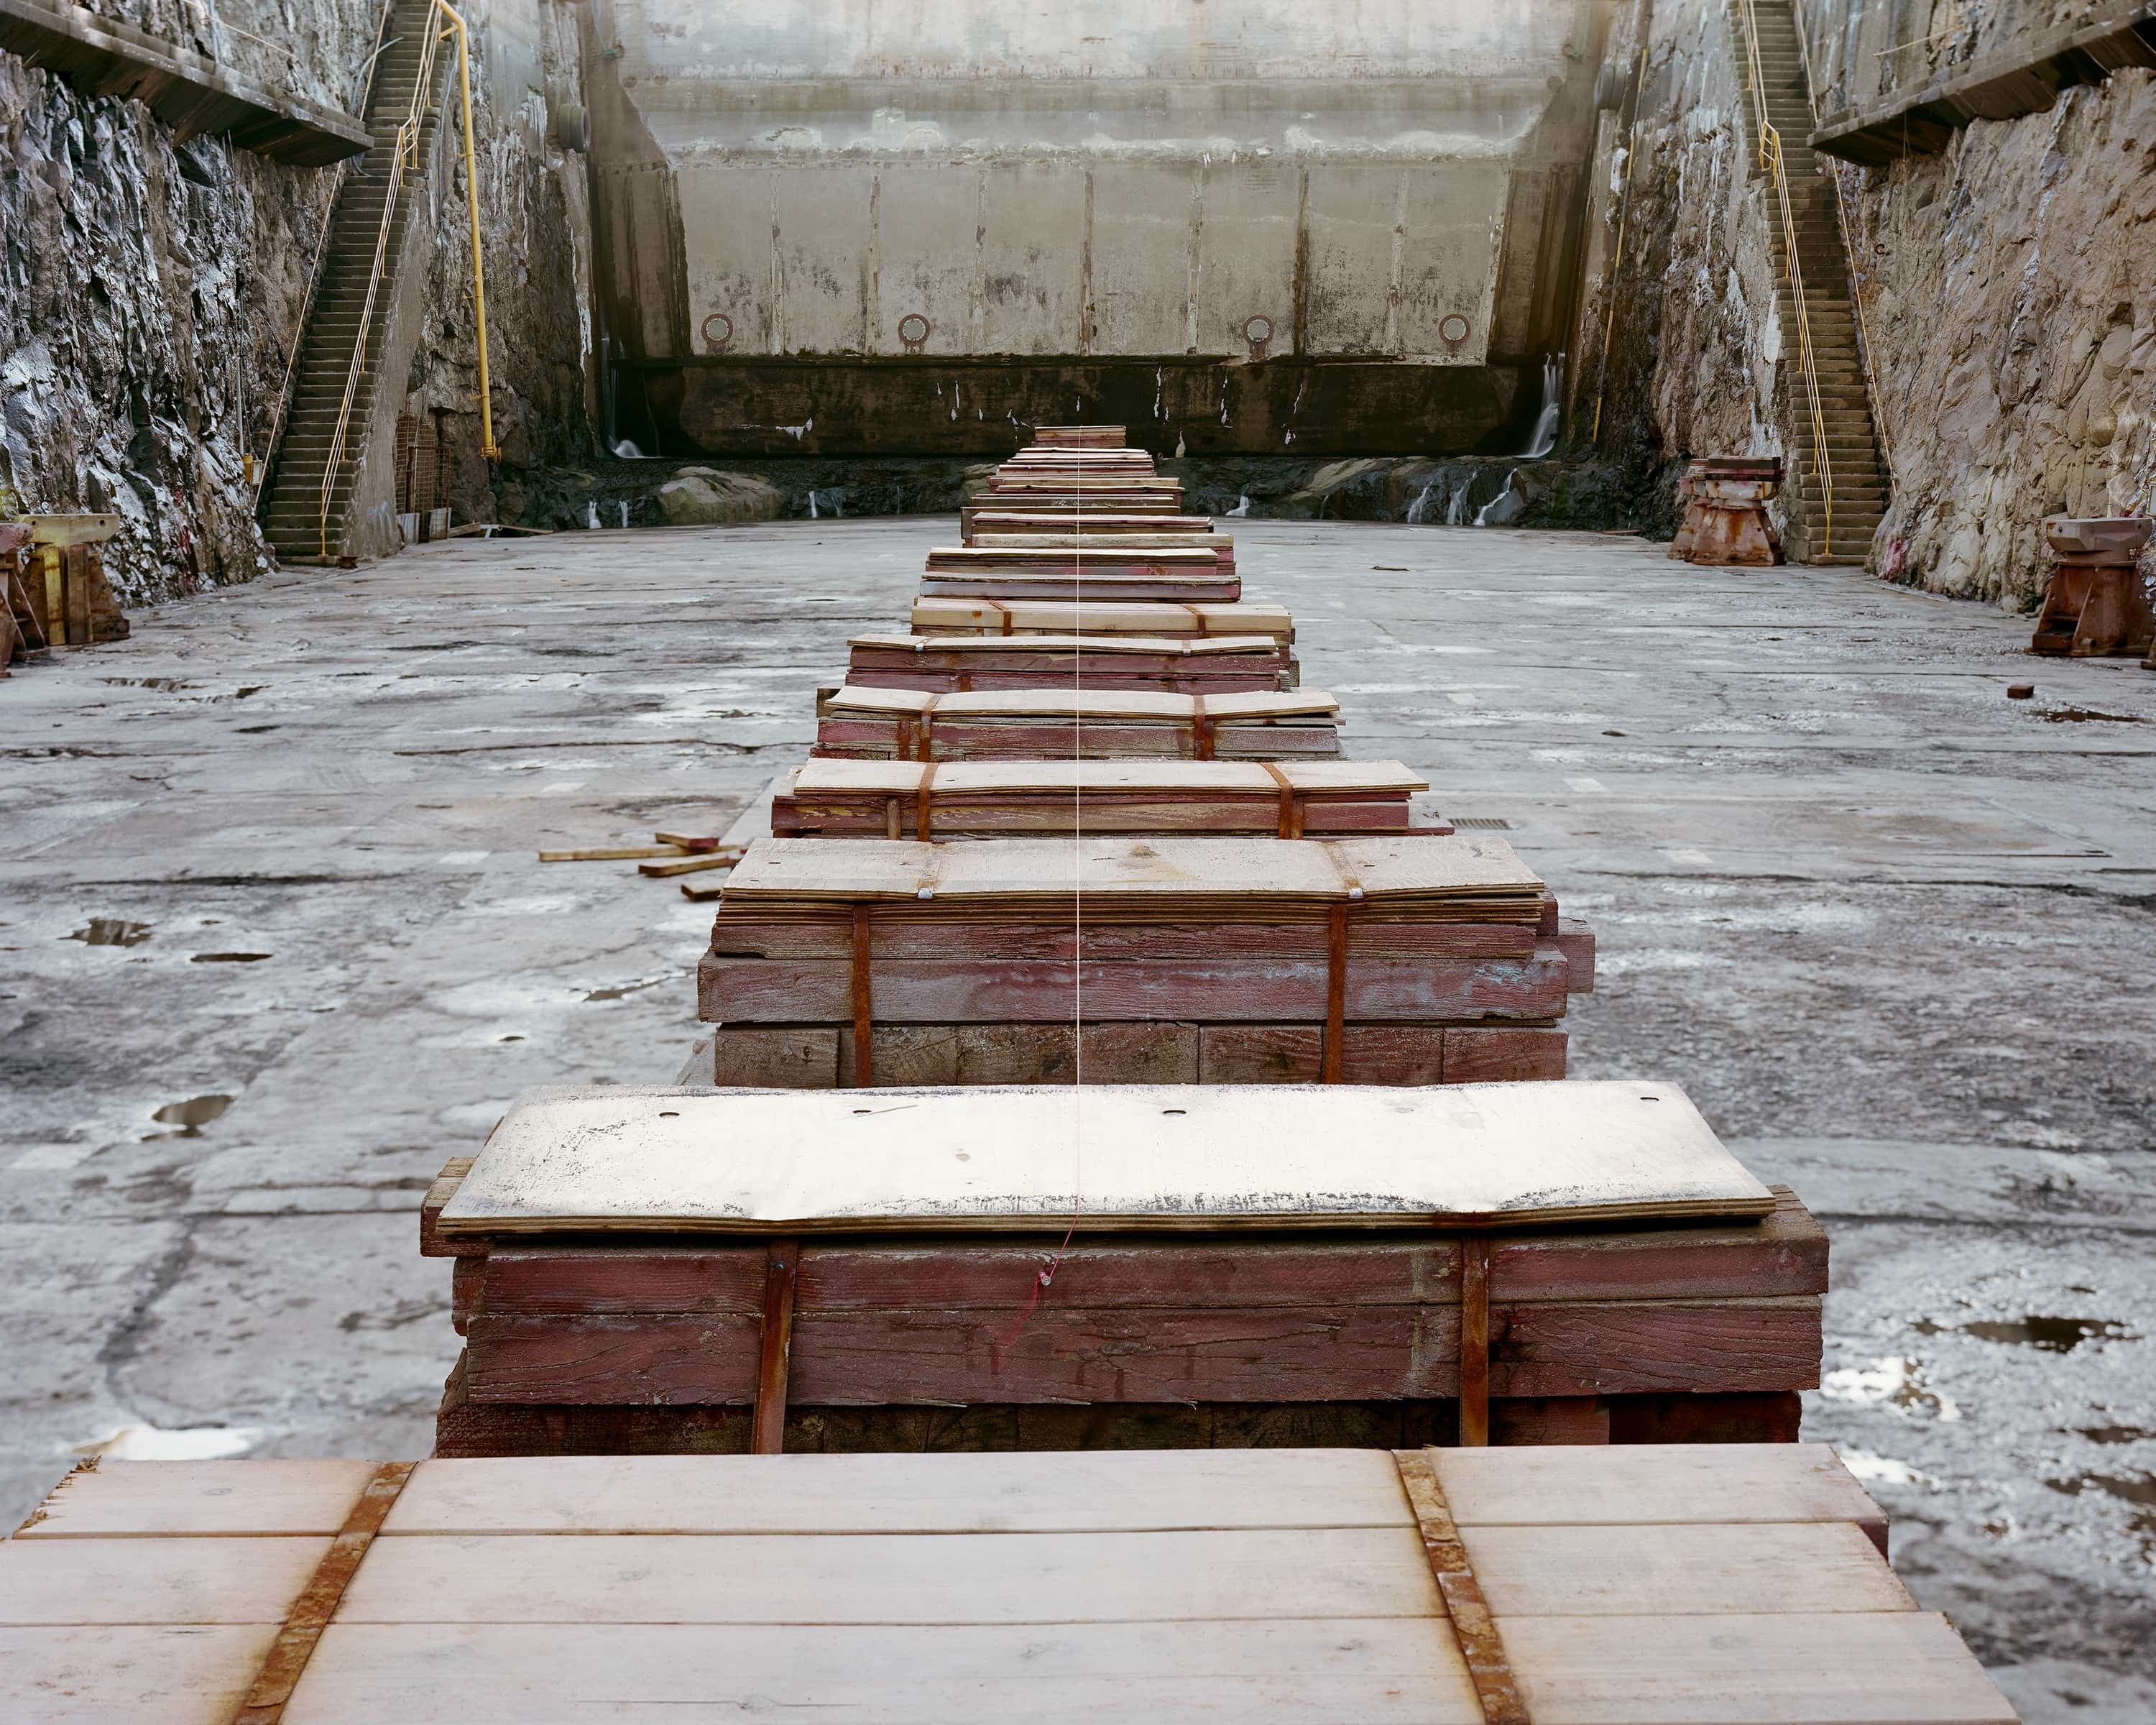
point(1770, 158)
point(404, 157)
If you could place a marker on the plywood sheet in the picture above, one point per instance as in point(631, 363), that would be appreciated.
point(146, 1499)
point(1091, 703)
point(1395, 1671)
point(960, 778)
point(1156, 1490)
point(1184, 646)
point(1141, 1157)
point(1638, 1485)
point(992, 1493)
point(1380, 870)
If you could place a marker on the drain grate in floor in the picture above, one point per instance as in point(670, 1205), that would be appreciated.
point(1481, 822)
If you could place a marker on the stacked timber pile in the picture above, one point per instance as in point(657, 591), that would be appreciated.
point(1389, 959)
point(1689, 1585)
point(1150, 619)
point(983, 799)
point(960, 664)
point(1195, 576)
point(1059, 721)
point(1577, 1263)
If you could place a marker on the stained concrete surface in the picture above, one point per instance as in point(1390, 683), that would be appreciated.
point(1893, 931)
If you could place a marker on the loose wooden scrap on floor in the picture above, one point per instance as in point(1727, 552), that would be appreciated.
point(1686, 1586)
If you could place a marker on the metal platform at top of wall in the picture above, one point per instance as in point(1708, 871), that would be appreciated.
point(101, 56)
point(2026, 79)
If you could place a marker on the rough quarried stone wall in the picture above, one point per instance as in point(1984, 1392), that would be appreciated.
point(2009, 288)
point(152, 288)
point(2006, 283)
point(1693, 345)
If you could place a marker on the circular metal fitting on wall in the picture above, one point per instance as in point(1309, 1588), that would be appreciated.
point(718, 332)
point(913, 330)
point(1258, 331)
point(1453, 329)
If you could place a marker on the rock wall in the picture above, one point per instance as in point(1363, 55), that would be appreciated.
point(2006, 284)
point(154, 288)
point(2010, 288)
point(151, 290)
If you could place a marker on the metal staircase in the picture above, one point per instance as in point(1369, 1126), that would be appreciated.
point(1838, 484)
point(337, 368)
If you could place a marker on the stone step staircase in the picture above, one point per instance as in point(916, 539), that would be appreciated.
point(292, 517)
point(1859, 479)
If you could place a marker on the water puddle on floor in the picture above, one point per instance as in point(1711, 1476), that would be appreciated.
point(2139, 1489)
point(111, 932)
point(2114, 1434)
point(2051, 1334)
point(191, 1116)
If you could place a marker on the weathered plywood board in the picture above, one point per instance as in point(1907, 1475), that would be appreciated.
point(1144, 1157)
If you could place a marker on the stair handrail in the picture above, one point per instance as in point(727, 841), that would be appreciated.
point(403, 158)
point(1771, 159)
point(313, 283)
point(1842, 205)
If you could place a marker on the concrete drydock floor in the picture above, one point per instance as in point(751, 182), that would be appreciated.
point(274, 943)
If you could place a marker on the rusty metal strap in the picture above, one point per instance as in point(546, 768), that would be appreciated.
point(1336, 968)
point(1290, 807)
point(782, 1269)
point(927, 725)
point(1201, 729)
point(1003, 615)
point(863, 1014)
point(1496, 1687)
point(311, 1613)
point(923, 815)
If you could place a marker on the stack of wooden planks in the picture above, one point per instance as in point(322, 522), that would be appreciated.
point(1196, 575)
point(1661, 1586)
point(680, 1270)
point(1402, 958)
point(1152, 618)
point(1057, 722)
point(981, 799)
point(959, 664)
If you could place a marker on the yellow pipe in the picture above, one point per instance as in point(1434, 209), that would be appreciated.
point(488, 447)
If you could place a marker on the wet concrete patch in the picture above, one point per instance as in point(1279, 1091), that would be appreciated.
point(230, 957)
point(190, 1116)
point(2053, 1335)
point(111, 932)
